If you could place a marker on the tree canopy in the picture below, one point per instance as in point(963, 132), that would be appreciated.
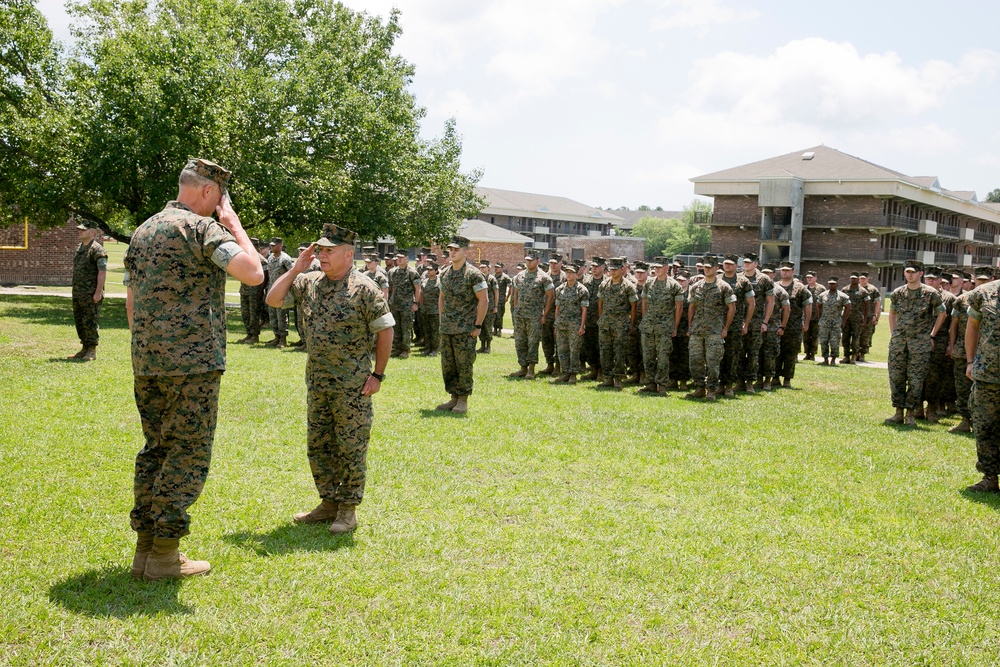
point(302, 99)
point(675, 236)
point(994, 196)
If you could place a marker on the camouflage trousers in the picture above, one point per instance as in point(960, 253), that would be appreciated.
point(527, 333)
point(829, 337)
point(486, 333)
point(752, 342)
point(87, 316)
point(178, 414)
point(939, 383)
point(549, 342)
point(458, 354)
point(908, 361)
point(657, 346)
point(963, 387)
point(851, 337)
point(250, 309)
point(498, 320)
point(278, 318)
point(867, 331)
point(986, 426)
point(788, 353)
point(635, 355)
point(402, 335)
point(418, 327)
point(613, 337)
point(590, 353)
point(431, 323)
point(706, 352)
point(810, 339)
point(770, 345)
point(680, 360)
point(729, 371)
point(338, 427)
point(569, 343)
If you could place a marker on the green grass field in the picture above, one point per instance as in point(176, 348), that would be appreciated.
point(550, 525)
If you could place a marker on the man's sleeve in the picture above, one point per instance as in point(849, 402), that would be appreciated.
point(379, 316)
point(219, 245)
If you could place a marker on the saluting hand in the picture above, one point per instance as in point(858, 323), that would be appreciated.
point(305, 259)
point(227, 216)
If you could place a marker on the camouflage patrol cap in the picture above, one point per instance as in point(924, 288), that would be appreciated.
point(683, 274)
point(679, 263)
point(641, 266)
point(932, 272)
point(484, 262)
point(431, 266)
point(368, 249)
point(731, 258)
point(598, 261)
point(616, 263)
point(555, 257)
point(522, 267)
point(86, 224)
point(811, 273)
point(334, 235)
point(532, 255)
point(498, 265)
point(657, 262)
point(276, 240)
point(371, 258)
point(432, 257)
point(571, 267)
point(389, 257)
point(458, 242)
point(863, 274)
point(750, 257)
point(914, 265)
point(425, 251)
point(767, 268)
point(833, 280)
point(854, 274)
point(984, 273)
point(709, 260)
point(210, 170)
point(787, 265)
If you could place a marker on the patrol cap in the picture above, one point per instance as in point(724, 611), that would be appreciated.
point(371, 258)
point(210, 170)
point(984, 273)
point(500, 264)
point(598, 261)
point(276, 240)
point(431, 265)
point(730, 258)
point(833, 280)
point(750, 257)
point(863, 274)
point(425, 251)
point(484, 262)
point(786, 265)
point(679, 263)
point(709, 260)
point(616, 263)
point(532, 254)
point(458, 242)
point(255, 241)
point(854, 274)
point(402, 254)
point(946, 278)
point(660, 259)
point(335, 235)
point(767, 268)
point(368, 249)
point(521, 267)
point(932, 272)
point(641, 266)
point(389, 257)
point(303, 246)
point(683, 274)
point(555, 257)
point(810, 273)
point(913, 265)
point(86, 224)
point(571, 267)
point(432, 257)
point(657, 262)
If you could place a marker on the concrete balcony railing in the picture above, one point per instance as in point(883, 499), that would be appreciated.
point(947, 230)
point(946, 258)
point(983, 237)
point(876, 255)
point(777, 233)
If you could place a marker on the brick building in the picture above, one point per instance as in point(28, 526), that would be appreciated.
point(834, 213)
point(29, 256)
point(546, 220)
point(580, 248)
point(491, 243)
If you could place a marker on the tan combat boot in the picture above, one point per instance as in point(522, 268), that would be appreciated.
point(988, 484)
point(609, 381)
point(909, 419)
point(530, 375)
point(450, 405)
point(548, 370)
point(697, 393)
point(461, 405)
point(787, 384)
point(741, 386)
point(919, 412)
point(143, 545)
point(728, 391)
point(710, 396)
point(249, 340)
point(562, 379)
point(896, 418)
point(592, 375)
point(89, 353)
point(282, 343)
point(272, 343)
point(166, 562)
point(347, 520)
point(571, 379)
point(519, 374)
point(932, 413)
point(648, 389)
point(79, 355)
point(964, 426)
point(758, 385)
point(557, 369)
point(617, 383)
point(325, 511)
point(671, 385)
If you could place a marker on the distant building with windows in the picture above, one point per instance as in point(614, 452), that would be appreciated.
point(834, 213)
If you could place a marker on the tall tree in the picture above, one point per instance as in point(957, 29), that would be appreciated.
point(303, 100)
point(994, 196)
point(676, 236)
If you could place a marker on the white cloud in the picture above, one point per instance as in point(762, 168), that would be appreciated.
point(928, 140)
point(698, 14)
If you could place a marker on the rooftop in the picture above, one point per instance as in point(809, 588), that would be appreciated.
point(544, 207)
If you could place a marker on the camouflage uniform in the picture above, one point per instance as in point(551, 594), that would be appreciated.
point(548, 328)
point(860, 302)
point(251, 300)
point(342, 319)
point(590, 351)
point(428, 313)
point(732, 356)
point(763, 287)
point(571, 301)
point(963, 385)
point(661, 298)
point(799, 297)
point(88, 261)
point(635, 358)
point(504, 283)
point(868, 328)
point(277, 266)
point(402, 292)
point(770, 340)
point(983, 306)
point(380, 279)
point(486, 334)
point(680, 360)
point(175, 268)
point(939, 385)
point(829, 323)
point(459, 307)
point(531, 295)
point(706, 346)
point(810, 339)
point(910, 344)
point(616, 304)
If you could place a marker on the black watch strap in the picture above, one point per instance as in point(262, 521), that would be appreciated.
point(378, 376)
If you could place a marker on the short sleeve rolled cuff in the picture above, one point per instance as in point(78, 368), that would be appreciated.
point(731, 298)
point(383, 322)
point(224, 253)
point(479, 287)
point(126, 279)
point(752, 295)
point(632, 298)
point(102, 263)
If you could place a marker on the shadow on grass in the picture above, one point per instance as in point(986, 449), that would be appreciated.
point(291, 537)
point(58, 311)
point(427, 413)
point(112, 592)
point(988, 499)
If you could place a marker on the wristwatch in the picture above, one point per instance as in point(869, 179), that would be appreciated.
point(478, 326)
point(378, 376)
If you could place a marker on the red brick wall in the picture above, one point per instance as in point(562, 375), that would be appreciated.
point(511, 254)
point(842, 211)
point(844, 244)
point(48, 259)
point(727, 240)
point(739, 210)
point(602, 246)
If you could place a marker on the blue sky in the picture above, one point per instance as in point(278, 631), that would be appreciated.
point(620, 102)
